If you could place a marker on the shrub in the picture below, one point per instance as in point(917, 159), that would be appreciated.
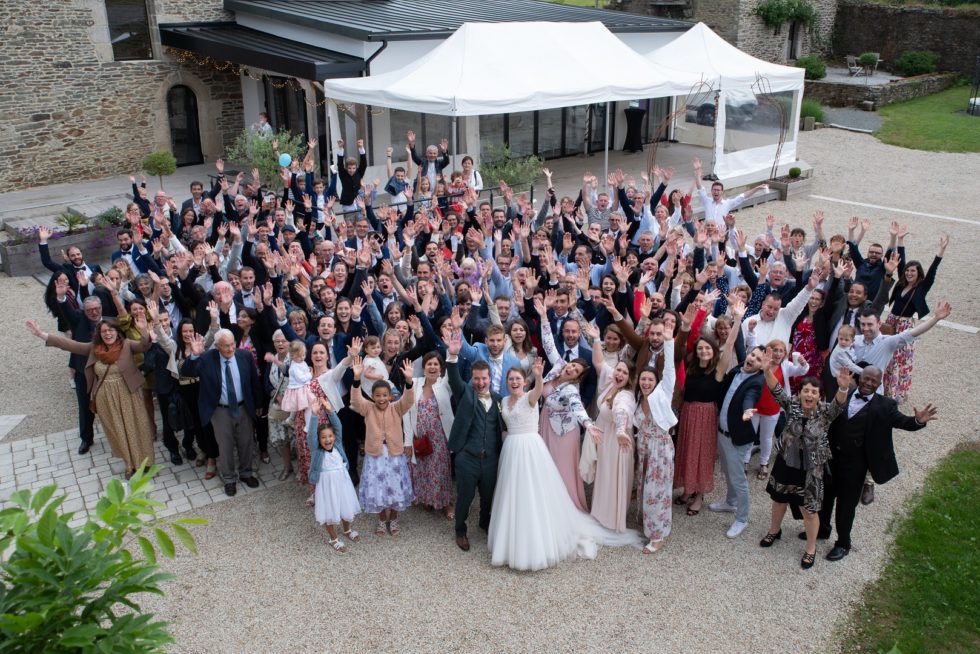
point(498, 164)
point(813, 65)
point(811, 107)
point(111, 217)
point(77, 589)
point(70, 222)
point(795, 172)
point(868, 59)
point(252, 150)
point(917, 62)
point(776, 12)
point(160, 163)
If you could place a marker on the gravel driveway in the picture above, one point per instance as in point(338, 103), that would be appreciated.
point(266, 581)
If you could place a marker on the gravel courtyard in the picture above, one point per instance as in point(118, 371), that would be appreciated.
point(265, 581)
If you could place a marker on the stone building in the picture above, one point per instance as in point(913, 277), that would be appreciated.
point(736, 22)
point(87, 90)
point(91, 86)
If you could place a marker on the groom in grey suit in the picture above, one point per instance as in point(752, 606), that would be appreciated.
point(475, 439)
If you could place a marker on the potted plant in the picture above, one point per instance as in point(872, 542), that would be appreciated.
point(790, 184)
point(160, 163)
point(96, 238)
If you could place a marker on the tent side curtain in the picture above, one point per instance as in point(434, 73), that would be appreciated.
point(542, 66)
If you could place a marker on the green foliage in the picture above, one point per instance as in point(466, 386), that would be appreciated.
point(813, 65)
point(76, 589)
point(252, 150)
point(917, 62)
point(795, 172)
point(160, 163)
point(776, 12)
point(936, 122)
point(111, 217)
point(810, 107)
point(926, 597)
point(70, 221)
point(497, 164)
point(868, 59)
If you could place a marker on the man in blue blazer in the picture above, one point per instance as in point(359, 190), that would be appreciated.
point(229, 400)
point(139, 261)
point(492, 352)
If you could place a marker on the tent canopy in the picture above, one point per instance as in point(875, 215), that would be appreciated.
point(700, 51)
point(492, 68)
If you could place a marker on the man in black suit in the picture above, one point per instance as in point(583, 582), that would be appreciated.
point(197, 197)
point(861, 441)
point(569, 348)
point(75, 264)
point(230, 400)
point(475, 440)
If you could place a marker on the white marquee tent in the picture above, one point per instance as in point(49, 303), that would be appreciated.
point(492, 68)
point(739, 78)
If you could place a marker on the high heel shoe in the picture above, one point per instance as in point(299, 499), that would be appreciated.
point(807, 561)
point(770, 538)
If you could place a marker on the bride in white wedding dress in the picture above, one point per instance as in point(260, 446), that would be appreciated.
point(534, 524)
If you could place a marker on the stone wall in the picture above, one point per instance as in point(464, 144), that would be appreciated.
point(848, 95)
point(734, 21)
point(73, 113)
point(863, 27)
point(764, 42)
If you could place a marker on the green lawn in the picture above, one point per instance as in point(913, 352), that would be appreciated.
point(928, 596)
point(936, 122)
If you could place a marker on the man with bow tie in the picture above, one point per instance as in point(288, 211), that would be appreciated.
point(132, 252)
point(75, 264)
point(861, 441)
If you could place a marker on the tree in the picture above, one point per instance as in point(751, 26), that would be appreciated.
point(66, 588)
point(160, 163)
point(253, 150)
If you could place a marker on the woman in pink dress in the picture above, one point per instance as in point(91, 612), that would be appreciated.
point(563, 415)
point(613, 438)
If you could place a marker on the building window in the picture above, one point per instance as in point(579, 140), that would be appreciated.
point(129, 29)
point(285, 102)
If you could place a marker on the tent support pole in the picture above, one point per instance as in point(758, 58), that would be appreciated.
point(452, 165)
point(606, 157)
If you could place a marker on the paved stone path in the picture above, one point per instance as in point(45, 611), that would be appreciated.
point(38, 461)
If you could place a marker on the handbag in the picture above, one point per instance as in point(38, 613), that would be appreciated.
point(275, 413)
point(421, 446)
point(177, 413)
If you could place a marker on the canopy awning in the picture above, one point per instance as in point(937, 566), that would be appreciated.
point(701, 51)
point(493, 68)
point(242, 45)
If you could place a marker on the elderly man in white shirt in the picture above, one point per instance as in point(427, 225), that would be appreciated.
point(775, 323)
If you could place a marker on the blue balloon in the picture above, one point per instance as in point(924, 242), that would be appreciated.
point(285, 159)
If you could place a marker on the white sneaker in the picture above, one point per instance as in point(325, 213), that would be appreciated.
point(737, 528)
point(722, 507)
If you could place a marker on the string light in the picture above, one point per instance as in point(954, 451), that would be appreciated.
point(184, 57)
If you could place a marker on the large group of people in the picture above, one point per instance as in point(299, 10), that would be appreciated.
point(564, 363)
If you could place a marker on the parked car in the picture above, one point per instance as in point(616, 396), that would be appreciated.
point(740, 106)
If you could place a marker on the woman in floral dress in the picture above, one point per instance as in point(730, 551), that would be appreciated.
point(908, 299)
point(655, 449)
point(431, 418)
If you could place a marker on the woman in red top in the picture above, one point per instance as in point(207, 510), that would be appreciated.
point(767, 410)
